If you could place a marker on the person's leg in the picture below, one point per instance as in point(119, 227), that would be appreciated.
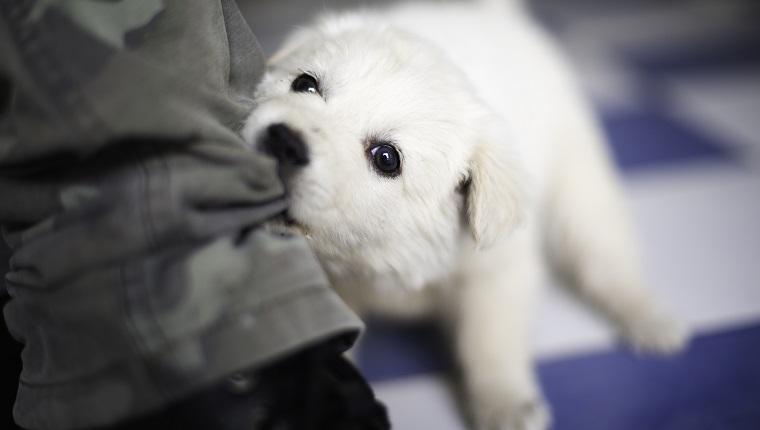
point(140, 276)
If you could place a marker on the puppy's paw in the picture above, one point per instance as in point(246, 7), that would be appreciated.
point(655, 334)
point(498, 414)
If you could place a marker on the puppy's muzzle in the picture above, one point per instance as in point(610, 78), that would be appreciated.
point(285, 144)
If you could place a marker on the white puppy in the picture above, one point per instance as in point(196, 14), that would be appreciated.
point(437, 156)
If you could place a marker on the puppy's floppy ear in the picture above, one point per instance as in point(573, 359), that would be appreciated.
point(496, 193)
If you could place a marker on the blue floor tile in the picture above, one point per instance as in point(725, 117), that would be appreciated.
point(647, 139)
point(714, 385)
point(396, 349)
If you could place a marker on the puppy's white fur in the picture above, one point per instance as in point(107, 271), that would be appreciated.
point(502, 169)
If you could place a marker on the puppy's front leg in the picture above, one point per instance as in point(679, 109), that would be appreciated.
point(493, 312)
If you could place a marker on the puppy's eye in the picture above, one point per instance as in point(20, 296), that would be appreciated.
point(386, 159)
point(305, 83)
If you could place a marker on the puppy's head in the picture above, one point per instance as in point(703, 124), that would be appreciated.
point(388, 158)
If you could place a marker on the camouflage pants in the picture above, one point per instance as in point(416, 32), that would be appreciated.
point(139, 273)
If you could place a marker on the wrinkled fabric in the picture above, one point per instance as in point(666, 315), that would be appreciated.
point(140, 272)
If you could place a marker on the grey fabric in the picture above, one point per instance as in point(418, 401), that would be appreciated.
point(140, 272)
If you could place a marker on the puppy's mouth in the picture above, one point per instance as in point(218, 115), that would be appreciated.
point(284, 223)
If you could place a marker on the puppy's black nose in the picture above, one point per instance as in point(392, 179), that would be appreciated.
point(286, 145)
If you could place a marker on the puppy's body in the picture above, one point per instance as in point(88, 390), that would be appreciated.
point(501, 169)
